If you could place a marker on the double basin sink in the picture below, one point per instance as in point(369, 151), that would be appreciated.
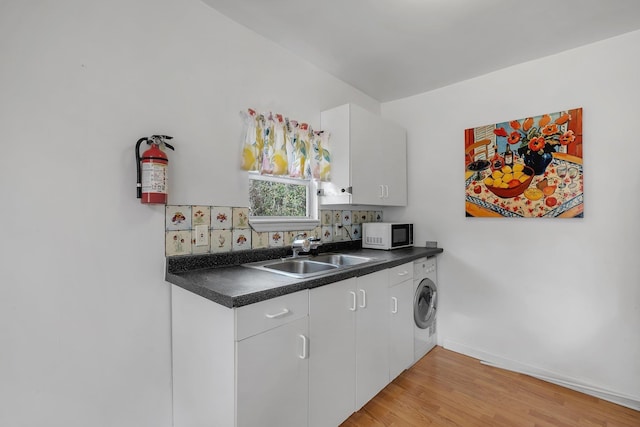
point(304, 266)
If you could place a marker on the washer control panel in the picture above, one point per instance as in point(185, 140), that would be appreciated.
point(424, 266)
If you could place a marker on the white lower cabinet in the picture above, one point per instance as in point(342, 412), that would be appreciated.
point(307, 358)
point(332, 380)
point(272, 377)
point(372, 345)
point(400, 319)
point(241, 367)
point(349, 361)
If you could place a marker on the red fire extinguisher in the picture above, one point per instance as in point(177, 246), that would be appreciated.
point(152, 170)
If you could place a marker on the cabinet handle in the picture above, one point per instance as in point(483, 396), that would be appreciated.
point(381, 191)
point(353, 301)
point(284, 311)
point(305, 344)
point(386, 187)
point(404, 273)
point(364, 298)
point(395, 305)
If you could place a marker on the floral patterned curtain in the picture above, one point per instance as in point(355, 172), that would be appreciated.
point(275, 145)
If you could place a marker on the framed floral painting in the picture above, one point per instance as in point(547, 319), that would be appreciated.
point(525, 168)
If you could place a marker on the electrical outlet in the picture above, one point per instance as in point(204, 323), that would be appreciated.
point(202, 235)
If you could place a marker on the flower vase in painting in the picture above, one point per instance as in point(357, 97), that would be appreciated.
point(538, 162)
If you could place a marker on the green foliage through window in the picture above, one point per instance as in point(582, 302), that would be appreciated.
point(272, 198)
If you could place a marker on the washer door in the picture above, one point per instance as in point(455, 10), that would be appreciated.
point(425, 304)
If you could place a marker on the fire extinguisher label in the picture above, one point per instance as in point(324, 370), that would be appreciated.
point(154, 178)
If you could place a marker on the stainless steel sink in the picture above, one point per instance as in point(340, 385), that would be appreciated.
point(300, 266)
point(341, 259)
point(303, 267)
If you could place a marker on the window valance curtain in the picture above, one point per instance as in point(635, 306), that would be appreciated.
point(275, 145)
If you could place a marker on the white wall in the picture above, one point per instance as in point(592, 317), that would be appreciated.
point(84, 308)
point(559, 297)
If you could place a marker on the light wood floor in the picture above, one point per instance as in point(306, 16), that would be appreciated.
point(449, 389)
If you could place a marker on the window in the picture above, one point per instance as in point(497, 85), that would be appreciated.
point(281, 204)
point(486, 132)
point(276, 197)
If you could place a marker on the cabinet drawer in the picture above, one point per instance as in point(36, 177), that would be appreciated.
point(262, 316)
point(400, 273)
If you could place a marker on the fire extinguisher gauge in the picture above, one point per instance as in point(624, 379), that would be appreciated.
point(160, 140)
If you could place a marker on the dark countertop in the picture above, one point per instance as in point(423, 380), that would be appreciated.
point(236, 286)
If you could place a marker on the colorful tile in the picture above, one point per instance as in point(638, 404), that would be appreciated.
point(356, 232)
point(289, 236)
point(221, 241)
point(337, 218)
point(378, 217)
point(200, 215)
point(221, 217)
point(177, 242)
point(355, 217)
point(276, 239)
point(230, 229)
point(326, 217)
point(240, 218)
point(241, 239)
point(177, 217)
point(327, 233)
point(316, 232)
point(346, 218)
point(259, 240)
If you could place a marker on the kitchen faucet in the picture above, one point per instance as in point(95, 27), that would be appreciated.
point(304, 244)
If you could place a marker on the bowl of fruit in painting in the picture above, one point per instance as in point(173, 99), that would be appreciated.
point(509, 181)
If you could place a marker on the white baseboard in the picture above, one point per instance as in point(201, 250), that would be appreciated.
point(545, 375)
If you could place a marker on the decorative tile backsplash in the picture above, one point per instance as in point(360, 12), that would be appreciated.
point(228, 229)
point(221, 217)
point(200, 215)
point(178, 218)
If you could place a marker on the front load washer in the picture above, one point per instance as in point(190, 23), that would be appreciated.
point(425, 305)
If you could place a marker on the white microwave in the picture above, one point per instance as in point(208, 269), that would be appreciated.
point(387, 235)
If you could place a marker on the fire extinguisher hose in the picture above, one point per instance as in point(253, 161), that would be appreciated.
point(138, 171)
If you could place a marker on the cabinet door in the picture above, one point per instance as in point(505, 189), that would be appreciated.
point(332, 311)
point(400, 328)
point(372, 350)
point(272, 377)
point(378, 160)
point(369, 154)
point(366, 161)
point(393, 167)
point(336, 121)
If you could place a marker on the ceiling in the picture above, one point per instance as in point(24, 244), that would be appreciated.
point(391, 49)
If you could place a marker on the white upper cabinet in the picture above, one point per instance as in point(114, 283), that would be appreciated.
point(368, 159)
